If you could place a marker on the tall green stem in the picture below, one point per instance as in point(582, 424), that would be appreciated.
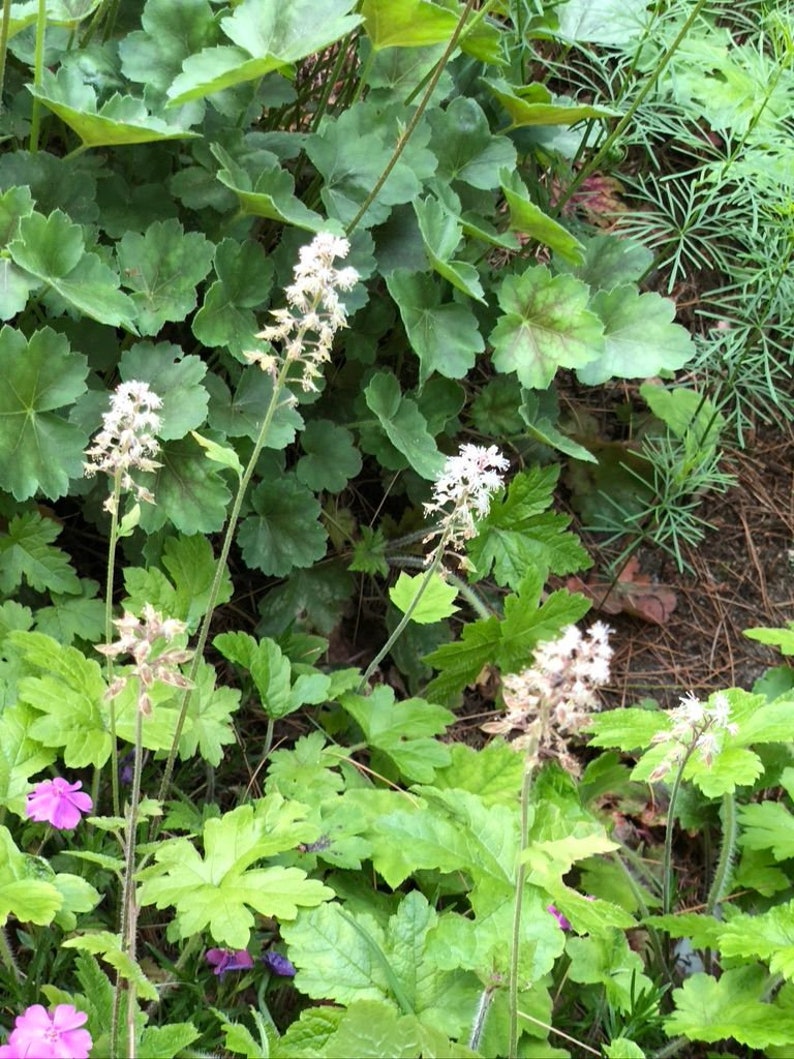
point(521, 873)
point(627, 118)
point(667, 864)
point(415, 119)
point(220, 569)
point(722, 874)
point(38, 70)
point(110, 578)
point(4, 28)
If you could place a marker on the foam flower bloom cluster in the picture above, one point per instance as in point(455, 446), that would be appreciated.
point(127, 439)
point(697, 728)
point(464, 490)
point(142, 638)
point(305, 329)
point(551, 699)
point(37, 1034)
point(59, 803)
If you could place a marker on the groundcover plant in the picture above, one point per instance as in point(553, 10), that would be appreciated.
point(293, 293)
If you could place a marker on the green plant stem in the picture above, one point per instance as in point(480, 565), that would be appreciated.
point(667, 863)
point(38, 70)
point(4, 28)
point(7, 956)
point(410, 128)
point(115, 500)
point(627, 118)
point(220, 569)
point(515, 940)
point(722, 873)
point(480, 1017)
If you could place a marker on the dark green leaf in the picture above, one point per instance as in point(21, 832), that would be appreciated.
point(285, 532)
point(404, 425)
point(175, 379)
point(466, 148)
point(331, 459)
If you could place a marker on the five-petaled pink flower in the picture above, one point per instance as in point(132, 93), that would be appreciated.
point(58, 802)
point(37, 1034)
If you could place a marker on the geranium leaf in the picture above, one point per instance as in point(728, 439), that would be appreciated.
point(331, 459)
point(39, 449)
point(445, 337)
point(534, 105)
point(28, 899)
point(404, 425)
point(241, 415)
point(120, 120)
point(267, 38)
point(285, 532)
point(189, 491)
point(406, 23)
point(162, 267)
point(270, 670)
point(26, 552)
point(441, 233)
point(245, 277)
point(21, 756)
point(546, 325)
point(73, 617)
point(52, 249)
point(640, 338)
point(268, 191)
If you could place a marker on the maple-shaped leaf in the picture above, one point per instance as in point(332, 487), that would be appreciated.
point(21, 756)
point(177, 381)
point(546, 325)
point(331, 458)
point(519, 533)
point(22, 895)
point(215, 891)
point(285, 531)
point(245, 277)
point(163, 267)
point(27, 553)
point(39, 449)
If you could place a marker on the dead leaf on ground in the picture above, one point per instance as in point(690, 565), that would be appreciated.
point(633, 593)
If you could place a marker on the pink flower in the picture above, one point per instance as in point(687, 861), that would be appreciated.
point(223, 960)
point(58, 802)
point(37, 1034)
point(561, 919)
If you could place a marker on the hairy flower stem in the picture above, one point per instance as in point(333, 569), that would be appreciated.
point(7, 957)
point(38, 70)
point(521, 873)
point(628, 117)
point(220, 569)
point(410, 128)
point(667, 862)
point(110, 578)
point(722, 874)
point(4, 30)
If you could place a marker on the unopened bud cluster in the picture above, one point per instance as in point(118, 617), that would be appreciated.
point(142, 638)
point(305, 329)
point(551, 700)
point(127, 439)
point(464, 490)
point(697, 728)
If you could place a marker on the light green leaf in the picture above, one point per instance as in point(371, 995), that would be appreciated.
point(445, 336)
point(162, 267)
point(369, 553)
point(534, 105)
point(216, 891)
point(768, 825)
point(28, 899)
point(466, 148)
point(120, 120)
point(404, 425)
point(171, 33)
point(404, 731)
point(441, 233)
point(627, 729)
point(175, 378)
point(73, 617)
point(603, 21)
point(519, 533)
point(164, 1042)
point(109, 946)
point(371, 1027)
point(21, 756)
point(436, 602)
point(191, 564)
point(545, 326)
point(39, 449)
point(331, 458)
point(768, 937)
point(209, 727)
point(268, 36)
point(285, 532)
point(222, 454)
point(406, 23)
point(267, 192)
point(26, 552)
point(639, 335)
point(52, 249)
point(710, 1009)
point(270, 670)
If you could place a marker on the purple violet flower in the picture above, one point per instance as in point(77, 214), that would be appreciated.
point(223, 960)
point(278, 964)
point(561, 919)
point(59, 803)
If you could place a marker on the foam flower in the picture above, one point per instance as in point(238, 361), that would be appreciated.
point(463, 491)
point(59, 803)
point(44, 1035)
point(224, 960)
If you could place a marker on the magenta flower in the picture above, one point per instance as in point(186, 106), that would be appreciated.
point(37, 1034)
point(59, 803)
point(561, 919)
point(223, 960)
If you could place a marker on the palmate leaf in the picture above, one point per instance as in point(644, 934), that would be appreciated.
point(245, 277)
point(27, 553)
point(72, 617)
point(404, 425)
point(436, 602)
point(39, 449)
point(441, 233)
point(534, 105)
point(28, 899)
point(406, 23)
point(242, 414)
point(267, 36)
point(768, 937)
point(190, 491)
point(162, 267)
point(120, 120)
point(529, 218)
point(285, 531)
point(546, 325)
point(170, 34)
point(21, 756)
point(331, 458)
point(640, 338)
point(444, 335)
point(216, 891)
point(177, 381)
point(52, 249)
point(466, 148)
point(270, 671)
point(266, 190)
